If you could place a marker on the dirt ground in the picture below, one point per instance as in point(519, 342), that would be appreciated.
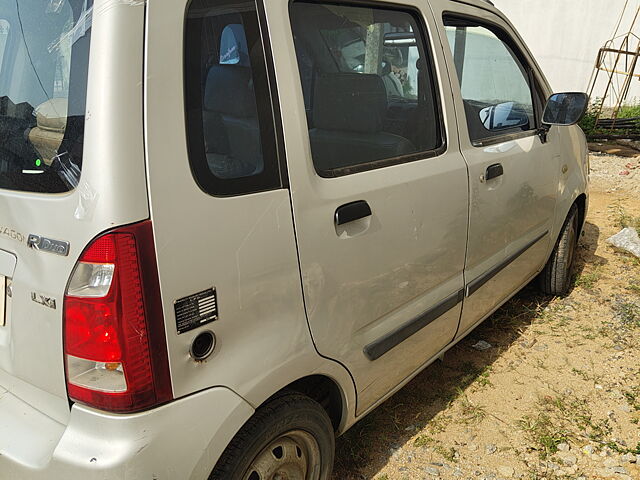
point(557, 396)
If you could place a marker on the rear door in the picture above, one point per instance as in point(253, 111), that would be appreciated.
point(379, 187)
point(513, 172)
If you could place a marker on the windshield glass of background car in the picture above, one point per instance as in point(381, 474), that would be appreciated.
point(44, 56)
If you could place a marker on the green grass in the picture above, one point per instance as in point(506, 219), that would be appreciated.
point(634, 285)
point(589, 279)
point(423, 441)
point(622, 219)
point(544, 433)
point(629, 111)
point(471, 413)
point(446, 453)
point(622, 450)
point(628, 313)
point(632, 400)
point(585, 375)
point(588, 122)
point(473, 374)
point(563, 419)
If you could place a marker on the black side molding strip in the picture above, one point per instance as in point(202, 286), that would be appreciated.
point(379, 347)
point(488, 275)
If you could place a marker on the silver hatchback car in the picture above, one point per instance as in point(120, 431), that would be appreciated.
point(229, 229)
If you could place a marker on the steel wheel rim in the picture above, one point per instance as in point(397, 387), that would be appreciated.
point(294, 455)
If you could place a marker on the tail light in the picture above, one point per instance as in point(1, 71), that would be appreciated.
point(114, 342)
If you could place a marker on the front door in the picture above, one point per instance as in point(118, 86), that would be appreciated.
point(378, 184)
point(513, 173)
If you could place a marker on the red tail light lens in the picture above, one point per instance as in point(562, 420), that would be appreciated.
point(115, 347)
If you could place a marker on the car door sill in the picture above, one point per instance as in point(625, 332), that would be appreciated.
point(382, 345)
point(474, 285)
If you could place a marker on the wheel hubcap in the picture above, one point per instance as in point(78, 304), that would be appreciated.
point(292, 456)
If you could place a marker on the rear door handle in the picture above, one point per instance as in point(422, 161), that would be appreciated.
point(494, 171)
point(350, 212)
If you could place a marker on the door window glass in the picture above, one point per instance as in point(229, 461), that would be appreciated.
point(495, 85)
point(229, 118)
point(367, 84)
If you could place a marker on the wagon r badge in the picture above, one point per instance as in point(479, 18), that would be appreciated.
point(42, 300)
point(48, 245)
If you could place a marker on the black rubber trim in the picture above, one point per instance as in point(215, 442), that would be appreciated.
point(382, 345)
point(352, 211)
point(508, 137)
point(271, 178)
point(275, 100)
point(473, 286)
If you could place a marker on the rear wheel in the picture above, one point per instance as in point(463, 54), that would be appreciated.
point(289, 438)
point(555, 279)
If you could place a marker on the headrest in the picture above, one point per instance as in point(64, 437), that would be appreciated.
point(233, 46)
point(229, 90)
point(52, 115)
point(354, 102)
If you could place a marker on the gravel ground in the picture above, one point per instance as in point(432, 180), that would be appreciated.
point(617, 174)
point(556, 396)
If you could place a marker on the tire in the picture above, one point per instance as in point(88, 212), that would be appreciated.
point(289, 437)
point(555, 278)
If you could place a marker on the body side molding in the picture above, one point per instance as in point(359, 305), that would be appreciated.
point(474, 285)
point(379, 347)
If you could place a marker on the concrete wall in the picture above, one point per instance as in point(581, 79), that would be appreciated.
point(565, 36)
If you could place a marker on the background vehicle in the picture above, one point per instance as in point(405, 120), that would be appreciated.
point(227, 237)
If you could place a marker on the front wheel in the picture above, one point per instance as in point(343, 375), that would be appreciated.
point(555, 278)
point(289, 438)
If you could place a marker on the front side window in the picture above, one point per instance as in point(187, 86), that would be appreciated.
point(495, 84)
point(230, 130)
point(44, 57)
point(368, 86)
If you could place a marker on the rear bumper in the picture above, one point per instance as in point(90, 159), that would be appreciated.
point(180, 440)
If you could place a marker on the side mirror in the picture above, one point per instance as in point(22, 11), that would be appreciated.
point(502, 116)
point(565, 108)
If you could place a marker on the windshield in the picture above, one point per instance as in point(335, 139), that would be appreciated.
point(44, 56)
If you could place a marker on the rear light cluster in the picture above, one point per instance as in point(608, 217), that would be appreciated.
point(114, 342)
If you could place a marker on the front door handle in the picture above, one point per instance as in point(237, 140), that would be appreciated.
point(494, 171)
point(352, 211)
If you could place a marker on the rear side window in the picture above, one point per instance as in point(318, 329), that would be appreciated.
point(230, 131)
point(495, 84)
point(368, 86)
point(44, 56)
